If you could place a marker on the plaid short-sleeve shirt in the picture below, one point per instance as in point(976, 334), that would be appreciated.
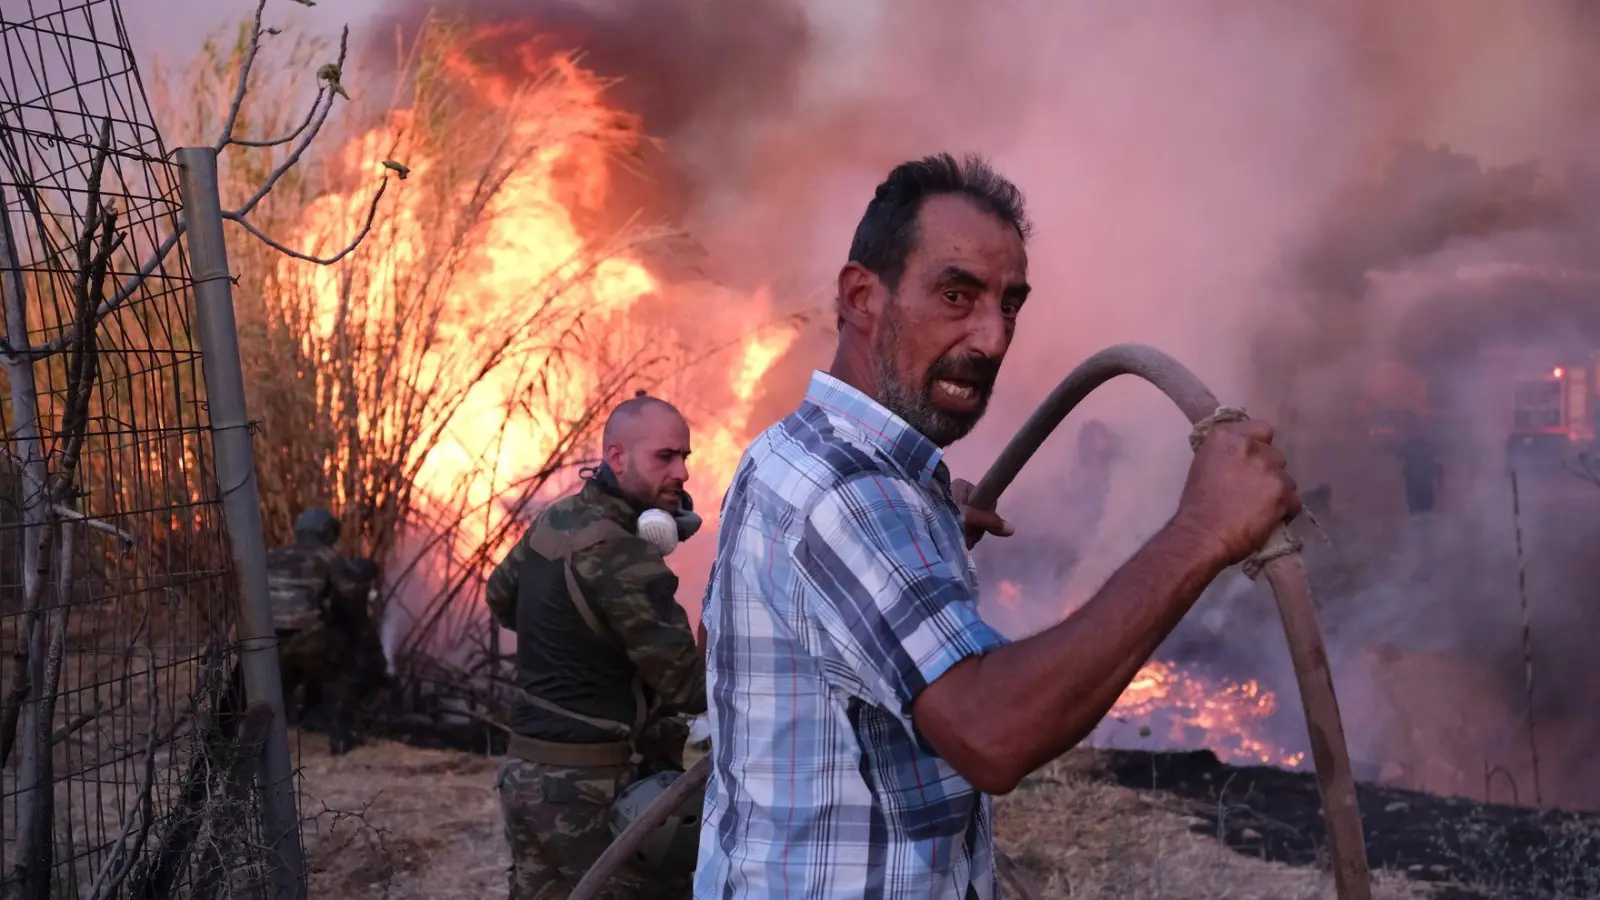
point(842, 587)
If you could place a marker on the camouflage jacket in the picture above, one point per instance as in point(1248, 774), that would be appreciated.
point(312, 585)
point(630, 589)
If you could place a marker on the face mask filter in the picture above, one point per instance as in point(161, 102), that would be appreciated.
point(659, 528)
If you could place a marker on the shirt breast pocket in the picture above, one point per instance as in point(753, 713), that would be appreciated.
point(950, 540)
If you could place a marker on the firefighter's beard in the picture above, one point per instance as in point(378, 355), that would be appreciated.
point(646, 494)
point(914, 402)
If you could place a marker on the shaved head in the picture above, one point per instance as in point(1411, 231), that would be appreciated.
point(646, 444)
point(625, 419)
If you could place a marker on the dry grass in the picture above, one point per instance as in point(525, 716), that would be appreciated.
point(402, 823)
point(1083, 838)
point(429, 827)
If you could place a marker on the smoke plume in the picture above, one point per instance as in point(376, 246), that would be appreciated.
point(1217, 178)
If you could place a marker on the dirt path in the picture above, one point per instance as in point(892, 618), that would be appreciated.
point(401, 823)
point(406, 823)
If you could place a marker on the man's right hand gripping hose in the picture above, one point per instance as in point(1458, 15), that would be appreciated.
point(1279, 558)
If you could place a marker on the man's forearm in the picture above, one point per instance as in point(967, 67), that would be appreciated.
point(1006, 714)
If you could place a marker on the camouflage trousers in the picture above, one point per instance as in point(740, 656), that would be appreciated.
point(333, 669)
point(309, 657)
point(557, 823)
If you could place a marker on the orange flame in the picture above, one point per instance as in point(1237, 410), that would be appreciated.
point(530, 236)
point(1223, 717)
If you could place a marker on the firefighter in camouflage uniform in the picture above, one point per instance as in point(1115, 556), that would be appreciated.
point(319, 609)
point(606, 661)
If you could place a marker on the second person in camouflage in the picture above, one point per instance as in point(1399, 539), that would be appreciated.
point(319, 605)
point(605, 658)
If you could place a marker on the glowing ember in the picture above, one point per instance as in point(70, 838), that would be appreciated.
point(1187, 711)
point(1223, 717)
point(1008, 595)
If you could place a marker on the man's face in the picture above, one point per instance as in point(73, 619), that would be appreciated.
point(939, 339)
point(651, 463)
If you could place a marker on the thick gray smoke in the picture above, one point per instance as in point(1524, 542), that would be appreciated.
point(1192, 171)
point(1195, 169)
point(699, 73)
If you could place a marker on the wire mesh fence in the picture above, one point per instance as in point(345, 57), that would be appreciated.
point(127, 754)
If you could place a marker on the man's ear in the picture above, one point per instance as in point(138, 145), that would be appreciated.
point(613, 455)
point(859, 298)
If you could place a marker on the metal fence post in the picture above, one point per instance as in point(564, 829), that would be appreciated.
point(241, 505)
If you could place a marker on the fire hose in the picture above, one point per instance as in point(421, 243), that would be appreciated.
point(1278, 559)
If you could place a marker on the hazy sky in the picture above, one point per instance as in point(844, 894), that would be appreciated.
point(172, 29)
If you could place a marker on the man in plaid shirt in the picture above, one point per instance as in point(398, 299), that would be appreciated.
point(861, 710)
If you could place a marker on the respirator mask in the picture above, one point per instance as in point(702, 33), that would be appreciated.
point(666, 530)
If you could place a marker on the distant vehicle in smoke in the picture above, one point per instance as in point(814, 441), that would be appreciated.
point(1553, 416)
point(1538, 399)
point(1506, 351)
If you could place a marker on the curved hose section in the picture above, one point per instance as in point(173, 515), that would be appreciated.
point(633, 837)
point(1334, 780)
point(1287, 576)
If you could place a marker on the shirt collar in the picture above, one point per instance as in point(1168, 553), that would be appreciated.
point(601, 489)
point(857, 415)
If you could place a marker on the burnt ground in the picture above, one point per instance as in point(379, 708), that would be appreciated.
point(1469, 849)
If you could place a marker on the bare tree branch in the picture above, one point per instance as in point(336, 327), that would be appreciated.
point(306, 133)
point(101, 525)
point(319, 119)
point(243, 87)
point(12, 708)
point(31, 863)
point(311, 115)
point(88, 292)
point(77, 724)
point(480, 717)
point(366, 228)
point(125, 291)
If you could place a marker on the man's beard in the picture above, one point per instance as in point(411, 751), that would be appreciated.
point(914, 403)
point(649, 496)
point(653, 498)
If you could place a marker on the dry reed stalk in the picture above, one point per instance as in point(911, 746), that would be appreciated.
point(360, 373)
